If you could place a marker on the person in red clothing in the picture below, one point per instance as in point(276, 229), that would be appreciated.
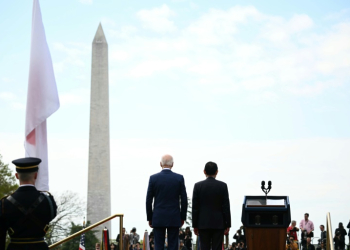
point(292, 230)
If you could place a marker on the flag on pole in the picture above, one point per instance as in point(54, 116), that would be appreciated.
point(146, 241)
point(105, 240)
point(82, 239)
point(42, 98)
point(198, 243)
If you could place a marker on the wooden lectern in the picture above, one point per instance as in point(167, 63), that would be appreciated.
point(265, 221)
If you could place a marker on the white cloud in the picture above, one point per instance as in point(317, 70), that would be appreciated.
point(278, 30)
point(7, 96)
point(239, 49)
point(7, 79)
point(119, 55)
point(216, 44)
point(157, 19)
point(124, 32)
point(74, 55)
point(86, 1)
point(108, 22)
point(299, 23)
point(338, 15)
point(18, 106)
point(12, 100)
point(150, 67)
point(218, 26)
point(313, 89)
point(258, 83)
point(205, 67)
point(75, 97)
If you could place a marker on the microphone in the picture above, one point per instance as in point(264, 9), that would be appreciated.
point(266, 190)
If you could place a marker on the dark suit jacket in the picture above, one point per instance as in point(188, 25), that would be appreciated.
point(168, 190)
point(310, 247)
point(348, 226)
point(10, 215)
point(211, 205)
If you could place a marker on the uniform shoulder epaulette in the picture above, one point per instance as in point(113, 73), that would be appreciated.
point(3, 198)
point(47, 193)
point(2, 204)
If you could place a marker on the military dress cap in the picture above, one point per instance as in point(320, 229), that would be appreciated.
point(27, 165)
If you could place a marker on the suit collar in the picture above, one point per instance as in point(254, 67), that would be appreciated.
point(26, 185)
point(166, 171)
point(26, 188)
point(211, 178)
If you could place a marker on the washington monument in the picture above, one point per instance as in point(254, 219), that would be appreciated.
point(99, 187)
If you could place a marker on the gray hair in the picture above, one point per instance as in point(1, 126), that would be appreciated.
point(167, 160)
point(293, 221)
point(26, 176)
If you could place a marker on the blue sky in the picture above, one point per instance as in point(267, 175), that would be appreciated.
point(261, 87)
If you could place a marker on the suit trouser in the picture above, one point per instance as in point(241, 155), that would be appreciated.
point(159, 238)
point(211, 239)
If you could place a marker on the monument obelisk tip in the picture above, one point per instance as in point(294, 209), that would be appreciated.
point(100, 35)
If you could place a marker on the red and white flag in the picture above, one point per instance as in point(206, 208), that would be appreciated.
point(42, 98)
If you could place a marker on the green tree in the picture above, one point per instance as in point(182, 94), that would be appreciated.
point(69, 208)
point(7, 184)
point(90, 238)
point(7, 180)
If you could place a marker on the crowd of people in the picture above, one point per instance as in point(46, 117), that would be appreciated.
point(306, 229)
point(131, 241)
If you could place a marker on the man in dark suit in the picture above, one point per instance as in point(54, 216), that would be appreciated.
point(168, 190)
point(211, 216)
point(118, 237)
point(26, 213)
point(323, 234)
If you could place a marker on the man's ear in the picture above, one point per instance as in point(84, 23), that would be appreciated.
point(205, 173)
point(16, 174)
point(217, 171)
point(160, 164)
point(35, 175)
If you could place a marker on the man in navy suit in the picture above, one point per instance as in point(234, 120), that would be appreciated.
point(168, 191)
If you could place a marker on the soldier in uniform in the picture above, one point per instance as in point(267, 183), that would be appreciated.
point(26, 213)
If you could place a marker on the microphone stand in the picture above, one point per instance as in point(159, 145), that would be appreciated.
point(266, 190)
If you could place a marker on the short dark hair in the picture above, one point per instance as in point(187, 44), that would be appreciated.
point(322, 226)
point(307, 214)
point(211, 168)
